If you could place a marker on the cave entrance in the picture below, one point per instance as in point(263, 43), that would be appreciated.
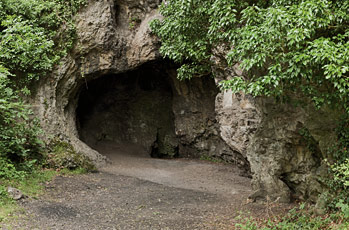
point(130, 112)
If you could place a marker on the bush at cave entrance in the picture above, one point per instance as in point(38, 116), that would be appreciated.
point(32, 40)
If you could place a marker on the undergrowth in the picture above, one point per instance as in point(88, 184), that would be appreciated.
point(31, 185)
point(34, 36)
point(338, 166)
point(300, 218)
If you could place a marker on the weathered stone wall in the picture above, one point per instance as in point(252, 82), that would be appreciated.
point(286, 151)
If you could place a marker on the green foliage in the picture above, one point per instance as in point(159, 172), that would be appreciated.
point(206, 157)
point(338, 166)
point(19, 143)
point(134, 22)
point(32, 184)
point(338, 184)
point(9, 171)
point(284, 47)
point(341, 173)
point(34, 35)
point(344, 208)
point(6, 203)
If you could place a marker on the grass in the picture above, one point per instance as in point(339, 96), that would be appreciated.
point(7, 209)
point(77, 171)
point(32, 185)
point(297, 219)
point(213, 159)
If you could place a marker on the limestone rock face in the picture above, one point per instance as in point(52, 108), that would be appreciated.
point(238, 118)
point(281, 144)
point(115, 42)
point(113, 37)
point(15, 193)
point(282, 160)
point(284, 144)
point(196, 123)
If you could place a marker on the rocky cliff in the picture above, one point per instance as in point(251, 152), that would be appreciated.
point(114, 86)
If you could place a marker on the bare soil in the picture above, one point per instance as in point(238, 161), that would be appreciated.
point(139, 192)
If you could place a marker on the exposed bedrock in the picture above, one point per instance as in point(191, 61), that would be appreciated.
point(284, 144)
point(115, 87)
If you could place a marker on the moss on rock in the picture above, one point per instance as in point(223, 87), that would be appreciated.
point(62, 155)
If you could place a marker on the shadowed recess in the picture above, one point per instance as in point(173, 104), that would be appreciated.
point(134, 107)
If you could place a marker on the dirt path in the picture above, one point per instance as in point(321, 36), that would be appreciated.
point(194, 175)
point(138, 192)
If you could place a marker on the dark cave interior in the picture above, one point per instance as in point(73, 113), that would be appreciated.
point(134, 107)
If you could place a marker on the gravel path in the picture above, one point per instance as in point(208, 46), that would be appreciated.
point(138, 192)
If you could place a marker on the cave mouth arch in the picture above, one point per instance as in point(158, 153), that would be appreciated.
point(147, 111)
point(131, 111)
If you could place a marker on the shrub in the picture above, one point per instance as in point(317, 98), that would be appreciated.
point(19, 142)
point(34, 35)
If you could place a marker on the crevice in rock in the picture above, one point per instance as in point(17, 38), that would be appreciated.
point(158, 146)
point(284, 177)
point(116, 12)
